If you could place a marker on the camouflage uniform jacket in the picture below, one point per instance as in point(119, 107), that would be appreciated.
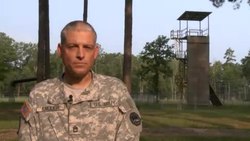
point(103, 112)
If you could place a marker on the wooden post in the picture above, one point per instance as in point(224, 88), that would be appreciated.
point(127, 45)
point(85, 11)
point(43, 64)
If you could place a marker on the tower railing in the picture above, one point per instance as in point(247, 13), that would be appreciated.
point(179, 34)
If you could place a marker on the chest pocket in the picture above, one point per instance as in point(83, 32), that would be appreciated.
point(53, 125)
point(100, 119)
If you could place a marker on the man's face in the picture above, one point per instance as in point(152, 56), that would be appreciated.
point(78, 53)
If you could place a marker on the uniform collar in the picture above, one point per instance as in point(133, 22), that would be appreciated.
point(89, 94)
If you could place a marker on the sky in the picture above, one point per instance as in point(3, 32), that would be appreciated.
point(229, 28)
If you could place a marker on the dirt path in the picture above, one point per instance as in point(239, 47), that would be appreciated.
point(11, 134)
point(8, 135)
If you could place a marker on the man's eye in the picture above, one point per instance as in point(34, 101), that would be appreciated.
point(71, 46)
point(88, 47)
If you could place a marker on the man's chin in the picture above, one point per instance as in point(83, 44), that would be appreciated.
point(80, 74)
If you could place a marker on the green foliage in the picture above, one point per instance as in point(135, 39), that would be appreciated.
point(237, 3)
point(152, 70)
point(26, 56)
point(17, 61)
point(216, 70)
point(7, 54)
point(229, 56)
point(227, 79)
point(56, 65)
point(135, 75)
point(155, 59)
point(156, 56)
point(246, 67)
point(109, 64)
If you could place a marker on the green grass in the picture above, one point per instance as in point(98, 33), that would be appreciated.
point(9, 115)
point(9, 124)
point(228, 117)
point(16, 99)
point(162, 116)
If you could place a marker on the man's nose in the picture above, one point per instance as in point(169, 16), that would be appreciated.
point(80, 53)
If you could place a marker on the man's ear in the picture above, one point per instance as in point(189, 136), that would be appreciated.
point(59, 50)
point(96, 51)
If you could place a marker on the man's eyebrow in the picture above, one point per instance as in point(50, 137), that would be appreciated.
point(89, 45)
point(67, 44)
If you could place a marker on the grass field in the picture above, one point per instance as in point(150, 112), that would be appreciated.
point(166, 122)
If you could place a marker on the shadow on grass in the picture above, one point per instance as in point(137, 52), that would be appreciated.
point(10, 111)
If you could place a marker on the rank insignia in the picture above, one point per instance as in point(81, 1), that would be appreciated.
point(74, 129)
point(135, 119)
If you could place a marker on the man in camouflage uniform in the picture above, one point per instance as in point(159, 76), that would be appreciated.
point(81, 105)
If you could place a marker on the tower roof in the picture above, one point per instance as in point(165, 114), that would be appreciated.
point(194, 15)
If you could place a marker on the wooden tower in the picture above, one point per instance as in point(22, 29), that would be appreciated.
point(193, 48)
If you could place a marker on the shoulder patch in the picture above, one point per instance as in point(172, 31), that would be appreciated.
point(135, 119)
point(133, 122)
point(26, 110)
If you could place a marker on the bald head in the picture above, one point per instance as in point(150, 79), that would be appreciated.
point(77, 26)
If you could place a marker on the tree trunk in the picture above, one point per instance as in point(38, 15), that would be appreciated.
point(157, 87)
point(85, 11)
point(43, 64)
point(127, 45)
point(18, 89)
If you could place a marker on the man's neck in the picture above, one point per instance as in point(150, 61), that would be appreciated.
point(76, 82)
